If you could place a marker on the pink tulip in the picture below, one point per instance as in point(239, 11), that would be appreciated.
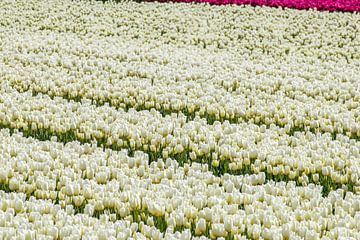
point(322, 5)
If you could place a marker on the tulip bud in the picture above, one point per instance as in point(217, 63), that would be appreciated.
point(325, 171)
point(102, 177)
point(69, 190)
point(53, 232)
point(315, 177)
point(200, 226)
point(215, 163)
point(229, 186)
point(78, 200)
point(14, 184)
point(218, 230)
point(3, 176)
point(156, 209)
point(228, 224)
point(179, 149)
point(89, 210)
point(69, 209)
point(193, 156)
point(18, 205)
point(99, 206)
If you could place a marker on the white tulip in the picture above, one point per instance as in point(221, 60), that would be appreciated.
point(3, 176)
point(14, 184)
point(69, 190)
point(89, 209)
point(101, 177)
point(18, 206)
point(218, 230)
point(228, 225)
point(200, 226)
point(53, 232)
point(156, 210)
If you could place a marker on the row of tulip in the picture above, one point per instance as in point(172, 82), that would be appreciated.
point(322, 5)
point(48, 56)
point(115, 195)
point(22, 218)
point(143, 87)
point(148, 75)
point(224, 147)
point(249, 104)
point(300, 113)
point(267, 34)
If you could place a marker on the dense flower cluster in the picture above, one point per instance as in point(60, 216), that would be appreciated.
point(326, 5)
point(81, 190)
point(224, 146)
point(312, 93)
point(178, 121)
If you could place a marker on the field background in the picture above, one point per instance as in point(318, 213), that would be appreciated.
point(179, 120)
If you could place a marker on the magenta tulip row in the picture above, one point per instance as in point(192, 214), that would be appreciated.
point(323, 5)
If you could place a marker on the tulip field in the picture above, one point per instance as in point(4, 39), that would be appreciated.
point(218, 119)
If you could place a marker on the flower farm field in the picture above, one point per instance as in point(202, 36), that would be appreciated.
point(178, 121)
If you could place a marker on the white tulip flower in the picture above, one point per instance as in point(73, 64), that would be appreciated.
point(218, 230)
point(14, 184)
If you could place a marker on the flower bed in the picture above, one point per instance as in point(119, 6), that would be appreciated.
point(178, 121)
point(322, 5)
